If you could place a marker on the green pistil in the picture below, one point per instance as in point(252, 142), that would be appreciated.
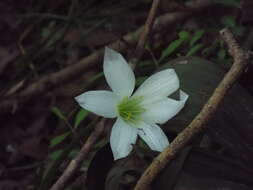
point(130, 109)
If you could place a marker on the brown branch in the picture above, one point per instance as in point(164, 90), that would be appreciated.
point(147, 29)
point(76, 163)
point(241, 60)
point(52, 81)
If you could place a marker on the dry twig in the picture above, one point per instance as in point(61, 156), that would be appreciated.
point(241, 60)
point(147, 29)
point(76, 163)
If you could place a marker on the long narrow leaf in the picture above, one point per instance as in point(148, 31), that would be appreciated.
point(58, 139)
point(183, 37)
point(80, 116)
point(196, 36)
point(194, 49)
point(58, 113)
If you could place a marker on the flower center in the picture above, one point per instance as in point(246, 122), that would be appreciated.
point(130, 109)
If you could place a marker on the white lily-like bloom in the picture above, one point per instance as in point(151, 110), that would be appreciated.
point(137, 113)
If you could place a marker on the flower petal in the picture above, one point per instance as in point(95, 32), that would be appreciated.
point(118, 73)
point(122, 138)
point(100, 102)
point(153, 136)
point(161, 84)
point(163, 110)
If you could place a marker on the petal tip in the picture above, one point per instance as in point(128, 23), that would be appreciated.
point(160, 84)
point(117, 156)
point(109, 53)
point(101, 102)
point(118, 73)
point(122, 139)
point(107, 49)
point(154, 136)
point(183, 96)
point(79, 98)
point(170, 70)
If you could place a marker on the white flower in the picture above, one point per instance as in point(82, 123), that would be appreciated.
point(137, 114)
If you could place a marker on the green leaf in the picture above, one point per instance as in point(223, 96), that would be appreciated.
point(196, 36)
point(74, 153)
point(171, 48)
point(194, 49)
point(183, 36)
point(58, 139)
point(55, 155)
point(58, 113)
point(80, 116)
